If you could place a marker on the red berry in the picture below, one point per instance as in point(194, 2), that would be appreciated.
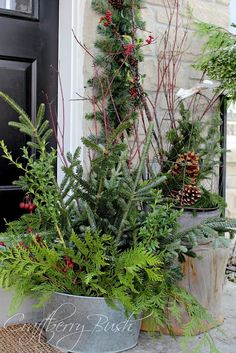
point(29, 230)
point(22, 205)
point(2, 243)
point(129, 48)
point(26, 206)
point(38, 238)
point(23, 245)
point(31, 207)
point(133, 92)
point(150, 39)
point(69, 263)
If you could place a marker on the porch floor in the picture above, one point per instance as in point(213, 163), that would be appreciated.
point(23, 339)
point(224, 337)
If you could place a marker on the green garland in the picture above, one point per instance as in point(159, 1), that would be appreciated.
point(116, 77)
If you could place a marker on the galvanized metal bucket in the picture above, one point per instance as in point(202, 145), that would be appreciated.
point(191, 218)
point(80, 324)
point(25, 314)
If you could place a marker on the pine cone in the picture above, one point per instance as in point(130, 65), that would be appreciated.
point(187, 163)
point(117, 4)
point(188, 196)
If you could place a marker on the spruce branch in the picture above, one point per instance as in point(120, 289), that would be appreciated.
point(137, 180)
point(25, 125)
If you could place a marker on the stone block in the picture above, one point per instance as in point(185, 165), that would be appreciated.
point(231, 181)
point(223, 2)
point(231, 158)
point(231, 202)
point(212, 13)
point(149, 15)
point(156, 2)
point(231, 169)
point(149, 68)
point(231, 128)
point(194, 74)
point(90, 24)
point(183, 77)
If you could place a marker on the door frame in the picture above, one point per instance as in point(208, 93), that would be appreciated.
point(71, 73)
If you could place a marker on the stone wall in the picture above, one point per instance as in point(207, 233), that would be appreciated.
point(213, 11)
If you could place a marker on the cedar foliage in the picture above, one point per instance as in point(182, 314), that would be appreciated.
point(39, 270)
point(218, 59)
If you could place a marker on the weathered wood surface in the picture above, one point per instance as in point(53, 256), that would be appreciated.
point(204, 279)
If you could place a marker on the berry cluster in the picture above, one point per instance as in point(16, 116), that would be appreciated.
point(21, 244)
point(28, 204)
point(69, 264)
point(133, 92)
point(107, 19)
point(129, 49)
point(2, 246)
point(38, 238)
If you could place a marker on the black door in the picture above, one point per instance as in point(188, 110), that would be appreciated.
point(28, 64)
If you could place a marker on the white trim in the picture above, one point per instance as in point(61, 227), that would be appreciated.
point(232, 15)
point(8, 5)
point(71, 63)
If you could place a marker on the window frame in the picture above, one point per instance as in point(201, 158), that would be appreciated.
point(34, 16)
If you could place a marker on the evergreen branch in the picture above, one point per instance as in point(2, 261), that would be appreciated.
point(137, 180)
